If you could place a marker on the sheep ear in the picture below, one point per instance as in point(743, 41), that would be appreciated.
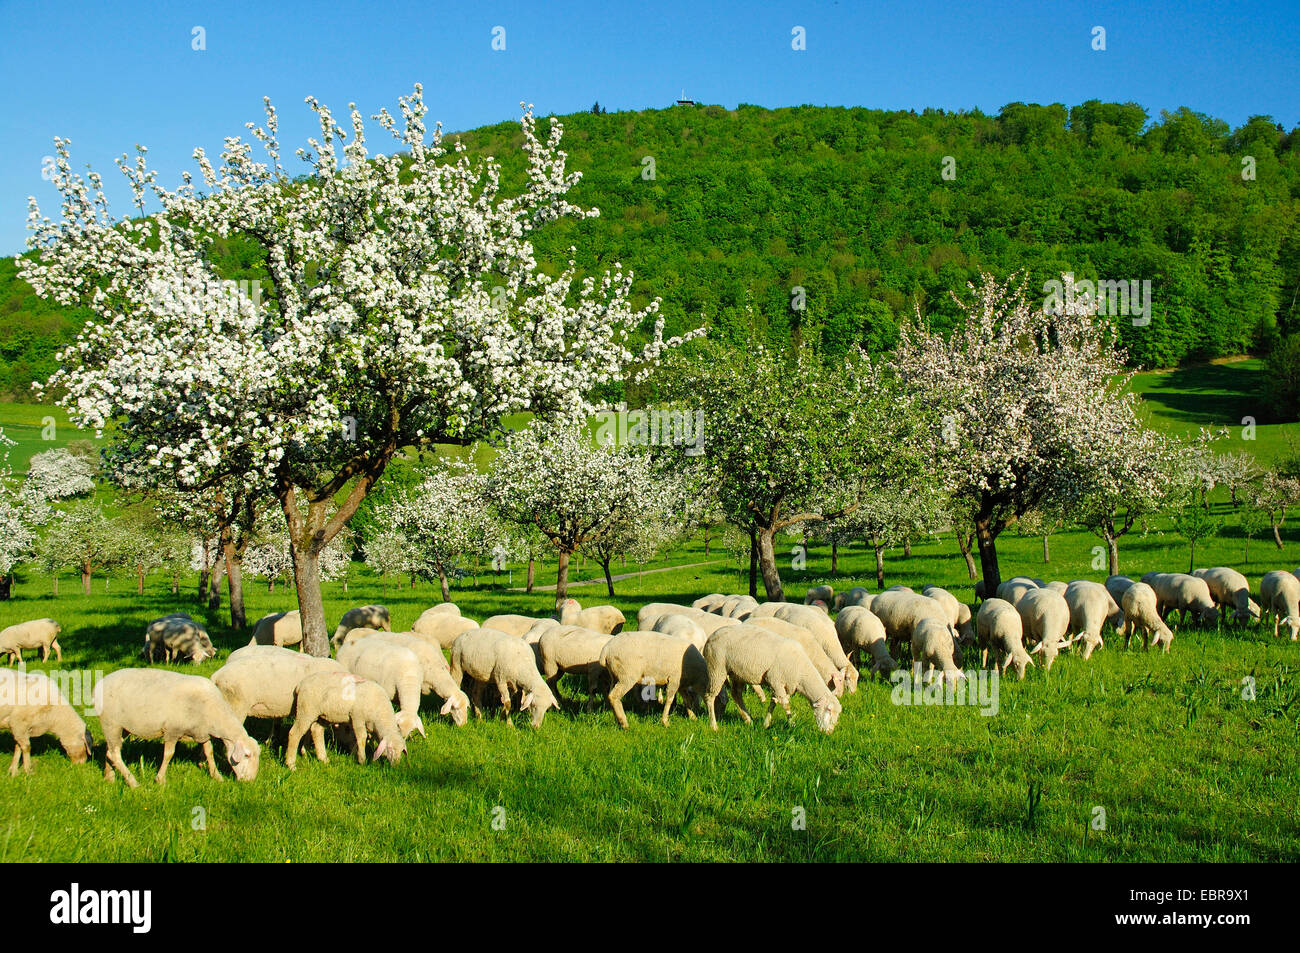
point(526, 701)
point(448, 706)
point(383, 746)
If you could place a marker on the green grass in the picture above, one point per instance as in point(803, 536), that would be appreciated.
point(34, 428)
point(1183, 766)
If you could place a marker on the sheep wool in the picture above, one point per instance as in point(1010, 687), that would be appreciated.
point(343, 698)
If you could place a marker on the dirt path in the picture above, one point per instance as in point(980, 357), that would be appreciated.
point(626, 575)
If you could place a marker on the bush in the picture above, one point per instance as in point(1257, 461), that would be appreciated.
point(1282, 379)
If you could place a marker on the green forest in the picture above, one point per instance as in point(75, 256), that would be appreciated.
point(727, 214)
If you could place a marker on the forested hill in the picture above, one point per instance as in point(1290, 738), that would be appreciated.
point(723, 212)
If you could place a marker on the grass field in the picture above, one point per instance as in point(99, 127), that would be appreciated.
point(1183, 766)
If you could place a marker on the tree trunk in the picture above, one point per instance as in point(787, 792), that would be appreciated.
point(1112, 555)
point(139, 579)
point(85, 579)
point(270, 585)
point(562, 579)
point(1047, 552)
point(767, 566)
point(234, 582)
point(907, 549)
point(964, 541)
point(987, 537)
point(176, 583)
point(1191, 560)
point(56, 583)
point(444, 585)
point(1277, 534)
point(529, 586)
point(6, 586)
point(609, 580)
point(311, 606)
point(214, 585)
point(204, 574)
point(753, 563)
point(835, 556)
point(880, 566)
point(706, 542)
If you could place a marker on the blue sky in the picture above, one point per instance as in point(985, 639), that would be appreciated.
point(108, 75)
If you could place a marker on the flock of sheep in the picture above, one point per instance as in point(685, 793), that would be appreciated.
point(704, 653)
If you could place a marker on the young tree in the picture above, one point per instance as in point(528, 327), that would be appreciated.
point(58, 474)
point(1024, 396)
point(1193, 522)
point(794, 440)
point(1251, 522)
point(405, 307)
point(1274, 496)
point(83, 538)
point(1131, 479)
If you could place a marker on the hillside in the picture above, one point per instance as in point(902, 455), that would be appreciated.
point(850, 204)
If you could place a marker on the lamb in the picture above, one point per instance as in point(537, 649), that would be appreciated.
point(441, 628)
point(435, 673)
point(958, 612)
point(1000, 629)
point(1279, 596)
point(900, 612)
point(278, 628)
point(606, 619)
point(40, 634)
point(1013, 589)
point(179, 637)
point(571, 649)
point(261, 685)
point(487, 655)
point(747, 654)
point(823, 594)
point(933, 647)
point(397, 670)
point(682, 626)
point(362, 617)
point(1139, 606)
point(857, 596)
point(816, 621)
point(859, 630)
point(156, 703)
point(342, 698)
point(1046, 618)
point(653, 658)
point(1180, 592)
point(1091, 607)
point(32, 705)
point(1229, 588)
point(832, 676)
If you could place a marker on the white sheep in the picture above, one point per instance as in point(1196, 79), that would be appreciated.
point(343, 698)
point(448, 607)
point(741, 607)
point(606, 619)
point(933, 647)
point(397, 670)
point(823, 594)
point(31, 705)
point(570, 649)
point(516, 625)
point(1230, 589)
point(857, 596)
point(1046, 618)
point(487, 655)
point(747, 654)
point(156, 703)
point(1057, 586)
point(1117, 586)
point(1091, 607)
point(833, 676)
point(40, 634)
point(261, 685)
point(177, 636)
point(1013, 589)
point(707, 602)
point(682, 626)
point(860, 631)
point(362, 617)
point(959, 615)
point(435, 672)
point(1279, 596)
point(818, 622)
point(1183, 593)
point(442, 628)
point(900, 612)
point(650, 659)
point(1139, 607)
point(1000, 629)
point(278, 628)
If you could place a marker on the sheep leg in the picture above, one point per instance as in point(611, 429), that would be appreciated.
point(615, 697)
point(359, 732)
point(169, 749)
point(13, 766)
point(23, 745)
point(670, 695)
point(767, 719)
point(58, 652)
point(318, 742)
point(476, 698)
point(295, 736)
point(212, 762)
point(738, 695)
point(503, 689)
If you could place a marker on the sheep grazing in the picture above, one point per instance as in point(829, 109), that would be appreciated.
point(1230, 590)
point(860, 631)
point(739, 607)
point(653, 658)
point(178, 637)
point(816, 621)
point(397, 670)
point(1013, 589)
point(487, 655)
point(436, 672)
point(1183, 593)
point(1279, 596)
point(362, 617)
point(154, 703)
point(1000, 629)
point(682, 626)
point(40, 634)
point(278, 628)
point(1139, 607)
point(1117, 586)
point(442, 628)
point(823, 594)
point(1046, 618)
point(571, 650)
point(1091, 607)
point(606, 619)
point(959, 616)
point(747, 654)
point(832, 676)
point(31, 705)
point(1057, 587)
point(516, 625)
point(261, 684)
point(933, 647)
point(857, 596)
point(900, 612)
point(706, 603)
point(342, 698)
point(450, 608)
